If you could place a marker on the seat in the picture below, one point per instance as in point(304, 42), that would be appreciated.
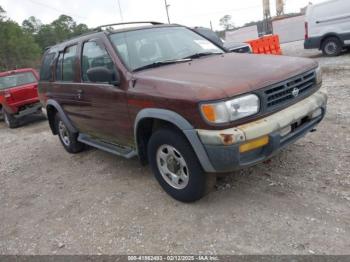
point(147, 52)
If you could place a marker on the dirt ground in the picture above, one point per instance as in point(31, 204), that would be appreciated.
point(52, 202)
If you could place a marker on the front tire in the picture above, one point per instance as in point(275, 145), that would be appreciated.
point(68, 139)
point(9, 120)
point(332, 46)
point(176, 166)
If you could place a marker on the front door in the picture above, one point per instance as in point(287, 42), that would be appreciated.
point(106, 114)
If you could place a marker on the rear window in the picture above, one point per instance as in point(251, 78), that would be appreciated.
point(45, 71)
point(16, 80)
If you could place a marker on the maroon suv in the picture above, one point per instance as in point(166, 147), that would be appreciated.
point(177, 101)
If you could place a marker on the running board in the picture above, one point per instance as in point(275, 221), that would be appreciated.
point(110, 148)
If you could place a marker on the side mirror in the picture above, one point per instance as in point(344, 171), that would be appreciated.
point(102, 74)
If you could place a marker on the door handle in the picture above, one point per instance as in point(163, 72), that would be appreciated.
point(80, 93)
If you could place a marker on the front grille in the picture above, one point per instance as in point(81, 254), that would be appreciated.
point(289, 90)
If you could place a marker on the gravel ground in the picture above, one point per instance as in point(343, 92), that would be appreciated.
point(298, 202)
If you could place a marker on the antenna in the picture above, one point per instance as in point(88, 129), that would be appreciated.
point(167, 10)
point(267, 24)
point(120, 11)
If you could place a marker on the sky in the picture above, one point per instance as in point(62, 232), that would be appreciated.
point(185, 12)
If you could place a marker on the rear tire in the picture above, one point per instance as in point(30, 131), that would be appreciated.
point(68, 139)
point(9, 120)
point(176, 167)
point(332, 46)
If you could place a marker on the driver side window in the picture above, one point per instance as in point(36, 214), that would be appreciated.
point(94, 55)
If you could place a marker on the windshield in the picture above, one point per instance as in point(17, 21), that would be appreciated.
point(140, 48)
point(16, 80)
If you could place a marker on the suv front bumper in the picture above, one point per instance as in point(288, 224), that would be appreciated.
point(282, 128)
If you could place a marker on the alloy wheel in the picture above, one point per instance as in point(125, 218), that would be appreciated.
point(172, 166)
point(63, 133)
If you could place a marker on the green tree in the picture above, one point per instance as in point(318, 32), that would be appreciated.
point(23, 46)
point(17, 48)
point(63, 28)
point(2, 14)
point(80, 29)
point(226, 22)
point(31, 25)
point(46, 37)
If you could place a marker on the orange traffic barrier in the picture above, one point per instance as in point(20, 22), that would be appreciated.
point(266, 45)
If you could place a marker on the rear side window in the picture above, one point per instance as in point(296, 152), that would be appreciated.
point(94, 55)
point(45, 71)
point(68, 64)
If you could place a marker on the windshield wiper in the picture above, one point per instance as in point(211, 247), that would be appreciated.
point(198, 55)
point(161, 63)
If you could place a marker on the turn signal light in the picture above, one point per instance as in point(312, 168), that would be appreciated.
point(253, 144)
point(209, 112)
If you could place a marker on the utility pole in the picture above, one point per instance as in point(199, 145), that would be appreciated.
point(211, 25)
point(280, 7)
point(166, 9)
point(267, 23)
point(120, 11)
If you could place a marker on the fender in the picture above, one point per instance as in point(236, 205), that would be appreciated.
point(330, 34)
point(62, 115)
point(187, 129)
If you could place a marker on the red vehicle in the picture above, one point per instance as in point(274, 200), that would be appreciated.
point(18, 95)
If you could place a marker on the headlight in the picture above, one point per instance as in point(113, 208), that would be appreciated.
point(231, 110)
point(318, 75)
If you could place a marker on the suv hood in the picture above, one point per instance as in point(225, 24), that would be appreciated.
point(220, 76)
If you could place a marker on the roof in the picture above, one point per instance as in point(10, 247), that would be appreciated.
point(15, 71)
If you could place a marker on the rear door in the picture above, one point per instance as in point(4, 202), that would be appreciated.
point(105, 112)
point(65, 89)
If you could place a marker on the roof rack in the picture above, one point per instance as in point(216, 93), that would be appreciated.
point(99, 28)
